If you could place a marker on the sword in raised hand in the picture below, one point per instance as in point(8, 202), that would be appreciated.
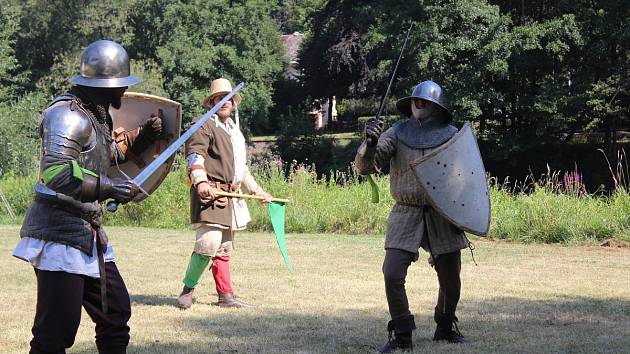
point(148, 171)
point(381, 123)
point(391, 80)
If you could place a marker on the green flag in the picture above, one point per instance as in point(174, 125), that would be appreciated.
point(374, 189)
point(276, 213)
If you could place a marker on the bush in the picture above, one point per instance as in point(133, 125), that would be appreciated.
point(350, 109)
point(19, 134)
point(301, 144)
point(340, 203)
point(18, 190)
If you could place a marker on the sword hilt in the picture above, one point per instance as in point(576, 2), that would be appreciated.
point(112, 206)
point(370, 140)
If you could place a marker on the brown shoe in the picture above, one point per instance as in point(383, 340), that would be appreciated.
point(184, 301)
point(229, 300)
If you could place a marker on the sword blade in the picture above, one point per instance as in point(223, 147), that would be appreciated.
point(148, 171)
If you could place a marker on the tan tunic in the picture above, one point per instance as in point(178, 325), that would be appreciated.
point(405, 225)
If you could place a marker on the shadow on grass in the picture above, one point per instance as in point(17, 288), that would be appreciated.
point(497, 325)
point(161, 300)
point(152, 300)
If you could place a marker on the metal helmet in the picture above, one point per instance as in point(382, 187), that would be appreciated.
point(104, 64)
point(426, 90)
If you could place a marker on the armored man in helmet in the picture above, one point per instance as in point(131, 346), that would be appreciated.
point(216, 156)
point(413, 223)
point(61, 235)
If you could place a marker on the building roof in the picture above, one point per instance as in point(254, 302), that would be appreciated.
point(291, 43)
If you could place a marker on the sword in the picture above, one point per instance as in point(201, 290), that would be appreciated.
point(373, 186)
point(148, 171)
point(391, 80)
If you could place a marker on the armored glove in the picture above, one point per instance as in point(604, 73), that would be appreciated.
point(149, 132)
point(373, 130)
point(122, 190)
point(103, 188)
point(153, 126)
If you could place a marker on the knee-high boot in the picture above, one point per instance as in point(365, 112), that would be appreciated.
point(448, 267)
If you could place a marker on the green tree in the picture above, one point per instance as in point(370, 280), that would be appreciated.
point(523, 74)
point(199, 41)
point(292, 15)
point(12, 78)
point(590, 79)
point(19, 134)
point(54, 33)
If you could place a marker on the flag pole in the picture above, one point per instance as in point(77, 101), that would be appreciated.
point(249, 196)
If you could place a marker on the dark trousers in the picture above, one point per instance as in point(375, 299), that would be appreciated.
point(61, 295)
point(395, 265)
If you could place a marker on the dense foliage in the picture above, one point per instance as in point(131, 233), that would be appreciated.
point(531, 76)
point(525, 73)
point(177, 47)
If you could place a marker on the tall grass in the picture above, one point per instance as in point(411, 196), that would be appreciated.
point(543, 210)
point(334, 204)
point(544, 216)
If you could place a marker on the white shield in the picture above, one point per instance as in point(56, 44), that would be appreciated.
point(136, 108)
point(454, 180)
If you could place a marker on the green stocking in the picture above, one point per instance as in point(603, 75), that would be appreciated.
point(197, 265)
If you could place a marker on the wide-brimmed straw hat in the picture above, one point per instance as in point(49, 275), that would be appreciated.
point(219, 87)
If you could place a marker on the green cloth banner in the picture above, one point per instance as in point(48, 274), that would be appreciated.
point(277, 214)
point(374, 188)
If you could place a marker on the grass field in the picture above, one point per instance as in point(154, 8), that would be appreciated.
point(519, 299)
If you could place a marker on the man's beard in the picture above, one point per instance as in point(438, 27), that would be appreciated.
point(224, 114)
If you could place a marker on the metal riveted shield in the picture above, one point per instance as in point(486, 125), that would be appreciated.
point(454, 180)
point(136, 108)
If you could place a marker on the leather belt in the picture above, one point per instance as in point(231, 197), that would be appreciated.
point(226, 187)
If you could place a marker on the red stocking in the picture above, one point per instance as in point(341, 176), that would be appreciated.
point(221, 274)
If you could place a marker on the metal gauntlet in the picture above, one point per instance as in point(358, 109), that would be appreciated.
point(103, 188)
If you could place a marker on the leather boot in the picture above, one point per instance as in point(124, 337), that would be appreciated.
point(447, 328)
point(229, 300)
point(184, 301)
point(399, 336)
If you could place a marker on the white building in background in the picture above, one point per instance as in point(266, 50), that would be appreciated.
point(326, 110)
point(322, 116)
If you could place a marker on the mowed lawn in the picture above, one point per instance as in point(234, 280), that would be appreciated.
point(519, 299)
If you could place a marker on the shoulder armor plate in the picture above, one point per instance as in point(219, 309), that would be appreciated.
point(66, 131)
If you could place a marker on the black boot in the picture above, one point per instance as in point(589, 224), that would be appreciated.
point(399, 332)
point(447, 328)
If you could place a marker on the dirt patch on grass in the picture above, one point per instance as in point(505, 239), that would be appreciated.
point(615, 243)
